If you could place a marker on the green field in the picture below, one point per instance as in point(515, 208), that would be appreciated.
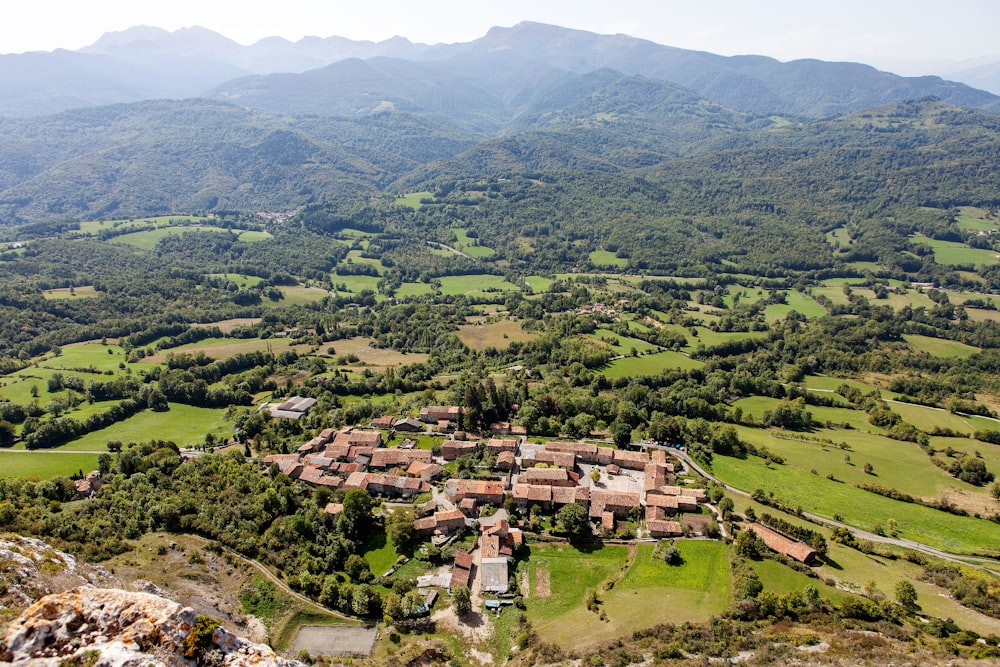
point(649, 364)
point(355, 284)
point(839, 237)
point(607, 258)
point(413, 289)
point(93, 227)
point(475, 284)
point(183, 424)
point(412, 199)
point(556, 614)
point(796, 301)
point(940, 347)
point(974, 219)
point(815, 493)
point(621, 344)
point(954, 253)
point(41, 465)
point(649, 592)
point(538, 284)
point(238, 279)
point(471, 246)
point(301, 295)
point(253, 236)
point(380, 553)
point(147, 240)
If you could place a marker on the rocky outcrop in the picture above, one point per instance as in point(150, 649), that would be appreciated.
point(31, 568)
point(99, 627)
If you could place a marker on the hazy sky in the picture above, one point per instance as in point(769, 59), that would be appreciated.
point(885, 33)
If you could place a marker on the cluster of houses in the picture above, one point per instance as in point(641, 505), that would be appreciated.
point(612, 485)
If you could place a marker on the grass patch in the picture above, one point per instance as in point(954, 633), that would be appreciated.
point(81, 292)
point(538, 284)
point(42, 465)
point(475, 284)
point(411, 200)
point(300, 295)
point(147, 240)
point(183, 424)
point(858, 508)
point(796, 301)
point(954, 253)
point(940, 347)
point(237, 279)
point(974, 219)
point(602, 258)
point(470, 246)
point(649, 364)
point(253, 236)
point(379, 552)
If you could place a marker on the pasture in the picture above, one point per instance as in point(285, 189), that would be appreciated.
point(796, 301)
point(497, 334)
point(954, 253)
point(859, 508)
point(238, 279)
point(223, 348)
point(185, 425)
point(649, 364)
point(939, 347)
point(372, 356)
point(470, 246)
point(635, 592)
point(602, 258)
point(975, 219)
point(538, 284)
point(81, 292)
point(411, 200)
point(475, 284)
point(147, 240)
point(44, 464)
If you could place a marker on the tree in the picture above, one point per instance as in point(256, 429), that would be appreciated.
point(906, 594)
point(995, 490)
point(868, 468)
point(672, 555)
point(574, 520)
point(745, 544)
point(104, 462)
point(595, 475)
point(6, 434)
point(461, 600)
point(357, 569)
point(399, 529)
point(726, 507)
point(357, 515)
point(621, 432)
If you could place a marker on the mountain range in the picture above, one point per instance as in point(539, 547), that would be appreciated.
point(190, 121)
point(150, 63)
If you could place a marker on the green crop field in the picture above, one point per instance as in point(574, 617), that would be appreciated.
point(607, 258)
point(413, 289)
point(954, 253)
point(649, 592)
point(355, 284)
point(796, 301)
point(238, 279)
point(974, 219)
point(86, 355)
point(412, 199)
point(940, 347)
point(183, 424)
point(300, 295)
point(42, 465)
point(470, 246)
point(649, 364)
point(538, 284)
point(621, 344)
point(556, 610)
point(253, 236)
point(147, 240)
point(93, 227)
point(859, 508)
point(475, 284)
point(899, 465)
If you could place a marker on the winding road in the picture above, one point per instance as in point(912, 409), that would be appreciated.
point(974, 561)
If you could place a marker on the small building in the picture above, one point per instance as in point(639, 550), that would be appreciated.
point(786, 546)
point(493, 575)
point(506, 461)
point(497, 445)
point(293, 408)
point(547, 477)
point(408, 425)
point(453, 449)
point(425, 471)
point(433, 414)
point(385, 422)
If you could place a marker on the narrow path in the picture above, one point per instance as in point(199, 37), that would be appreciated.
point(975, 561)
point(448, 247)
point(277, 581)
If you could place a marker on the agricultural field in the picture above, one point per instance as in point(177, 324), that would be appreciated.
point(239, 280)
point(538, 284)
point(470, 246)
point(649, 364)
point(940, 347)
point(147, 240)
point(94, 227)
point(355, 284)
point(975, 219)
point(476, 284)
point(42, 465)
point(373, 356)
point(223, 348)
point(622, 345)
point(497, 334)
point(81, 292)
point(183, 424)
point(646, 593)
point(796, 301)
point(300, 295)
point(254, 236)
point(957, 254)
point(607, 258)
point(859, 508)
point(411, 200)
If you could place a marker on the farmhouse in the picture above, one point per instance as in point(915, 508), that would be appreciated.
point(618, 503)
point(394, 456)
point(386, 485)
point(383, 422)
point(786, 546)
point(437, 413)
point(452, 449)
point(89, 485)
point(497, 445)
point(506, 461)
point(293, 408)
point(547, 477)
point(564, 460)
point(408, 425)
point(479, 491)
point(424, 471)
point(440, 523)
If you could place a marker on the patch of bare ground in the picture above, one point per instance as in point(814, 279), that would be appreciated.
point(969, 501)
point(225, 326)
point(543, 588)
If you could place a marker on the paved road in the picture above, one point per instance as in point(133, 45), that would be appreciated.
point(448, 247)
point(975, 561)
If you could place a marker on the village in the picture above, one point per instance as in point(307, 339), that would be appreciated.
point(506, 483)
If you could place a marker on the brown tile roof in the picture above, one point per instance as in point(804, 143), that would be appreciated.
point(501, 445)
point(783, 545)
point(661, 528)
point(543, 476)
point(334, 508)
point(463, 560)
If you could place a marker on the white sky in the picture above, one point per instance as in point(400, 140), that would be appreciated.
point(902, 35)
